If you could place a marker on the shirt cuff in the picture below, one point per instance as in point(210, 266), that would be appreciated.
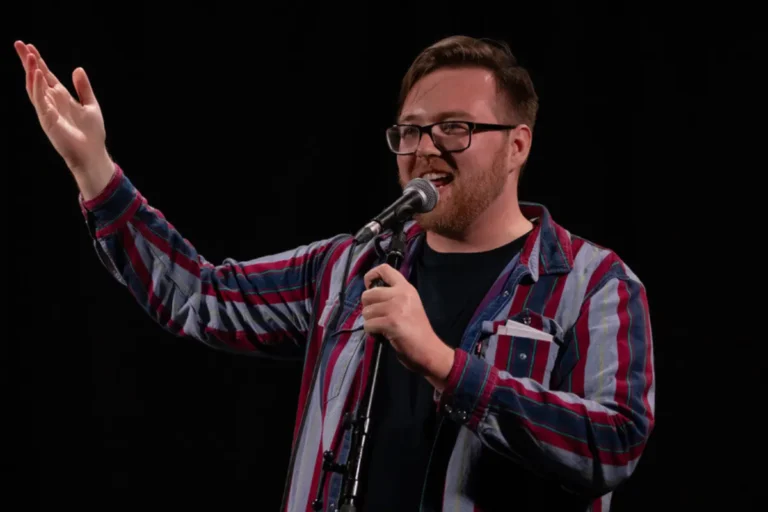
point(467, 392)
point(114, 206)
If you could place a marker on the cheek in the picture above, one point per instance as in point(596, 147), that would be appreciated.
point(473, 160)
point(405, 166)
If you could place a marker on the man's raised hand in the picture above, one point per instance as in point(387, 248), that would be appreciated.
point(75, 128)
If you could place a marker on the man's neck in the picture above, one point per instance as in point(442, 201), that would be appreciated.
point(499, 225)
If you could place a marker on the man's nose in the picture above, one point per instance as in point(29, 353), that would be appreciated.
point(426, 147)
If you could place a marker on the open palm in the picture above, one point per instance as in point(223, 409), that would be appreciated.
point(75, 128)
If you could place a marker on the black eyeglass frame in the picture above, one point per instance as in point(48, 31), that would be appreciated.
point(473, 127)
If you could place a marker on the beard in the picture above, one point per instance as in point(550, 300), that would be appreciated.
point(469, 195)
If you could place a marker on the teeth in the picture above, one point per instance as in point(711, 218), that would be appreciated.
point(435, 175)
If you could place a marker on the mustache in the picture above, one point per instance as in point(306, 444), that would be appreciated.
point(421, 170)
point(434, 163)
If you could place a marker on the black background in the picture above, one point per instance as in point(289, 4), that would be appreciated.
point(256, 129)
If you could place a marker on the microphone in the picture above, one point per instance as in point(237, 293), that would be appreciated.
point(419, 196)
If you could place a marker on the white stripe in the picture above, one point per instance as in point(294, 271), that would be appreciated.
point(570, 398)
point(342, 376)
point(304, 467)
point(602, 356)
point(575, 288)
point(466, 450)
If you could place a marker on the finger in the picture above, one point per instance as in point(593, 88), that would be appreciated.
point(31, 68)
point(43, 105)
point(378, 310)
point(22, 52)
point(38, 91)
point(376, 325)
point(83, 87)
point(49, 77)
point(386, 272)
point(377, 295)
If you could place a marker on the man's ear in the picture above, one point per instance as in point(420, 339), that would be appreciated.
point(521, 140)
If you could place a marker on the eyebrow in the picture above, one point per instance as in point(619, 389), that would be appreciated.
point(439, 117)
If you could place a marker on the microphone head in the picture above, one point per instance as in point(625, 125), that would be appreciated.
point(427, 191)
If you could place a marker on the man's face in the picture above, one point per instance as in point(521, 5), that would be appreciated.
point(479, 173)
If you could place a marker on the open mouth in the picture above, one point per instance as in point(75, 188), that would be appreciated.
point(438, 179)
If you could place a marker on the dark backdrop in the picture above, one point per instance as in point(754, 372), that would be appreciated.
point(258, 129)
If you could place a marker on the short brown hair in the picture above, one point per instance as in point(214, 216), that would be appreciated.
point(511, 79)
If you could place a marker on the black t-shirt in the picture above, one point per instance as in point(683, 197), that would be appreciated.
point(404, 419)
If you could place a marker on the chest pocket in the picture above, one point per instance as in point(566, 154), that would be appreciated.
point(523, 356)
point(342, 348)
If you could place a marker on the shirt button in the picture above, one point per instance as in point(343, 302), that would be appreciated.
point(506, 293)
point(523, 356)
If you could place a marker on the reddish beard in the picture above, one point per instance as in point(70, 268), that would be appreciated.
point(464, 200)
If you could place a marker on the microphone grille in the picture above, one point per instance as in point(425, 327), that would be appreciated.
point(429, 191)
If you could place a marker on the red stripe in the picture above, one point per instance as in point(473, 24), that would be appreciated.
point(119, 222)
point(142, 274)
point(622, 346)
point(485, 397)
point(547, 398)
point(313, 350)
point(503, 346)
point(193, 268)
point(568, 443)
point(257, 299)
point(170, 226)
point(207, 288)
point(459, 361)
point(240, 340)
point(162, 313)
point(565, 242)
point(583, 340)
point(583, 324)
point(648, 371)
point(176, 256)
point(361, 262)
point(519, 299)
point(576, 245)
point(597, 505)
point(370, 343)
point(102, 196)
point(578, 447)
point(600, 271)
point(550, 308)
point(315, 480)
point(553, 303)
point(342, 341)
point(350, 403)
point(525, 253)
point(541, 356)
point(293, 261)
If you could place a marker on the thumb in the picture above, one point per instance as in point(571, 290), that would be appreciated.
point(83, 87)
point(386, 272)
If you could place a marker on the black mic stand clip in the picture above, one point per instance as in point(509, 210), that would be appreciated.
point(351, 499)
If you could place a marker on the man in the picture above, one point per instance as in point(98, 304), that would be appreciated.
point(469, 414)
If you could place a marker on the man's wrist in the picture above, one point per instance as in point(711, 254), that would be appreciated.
point(94, 179)
point(440, 366)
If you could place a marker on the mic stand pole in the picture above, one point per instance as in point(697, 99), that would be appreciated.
point(351, 500)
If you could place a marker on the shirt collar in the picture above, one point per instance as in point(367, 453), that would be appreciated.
point(547, 251)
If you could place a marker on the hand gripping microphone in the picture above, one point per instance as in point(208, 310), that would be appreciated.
point(419, 196)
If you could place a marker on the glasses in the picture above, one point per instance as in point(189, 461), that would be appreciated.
point(449, 136)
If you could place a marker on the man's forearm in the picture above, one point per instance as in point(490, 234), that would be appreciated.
point(91, 180)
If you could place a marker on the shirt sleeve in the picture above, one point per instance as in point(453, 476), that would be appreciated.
point(261, 306)
point(589, 436)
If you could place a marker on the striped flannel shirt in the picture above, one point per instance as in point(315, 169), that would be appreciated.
point(576, 412)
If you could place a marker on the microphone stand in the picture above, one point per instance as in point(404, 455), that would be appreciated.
point(351, 499)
